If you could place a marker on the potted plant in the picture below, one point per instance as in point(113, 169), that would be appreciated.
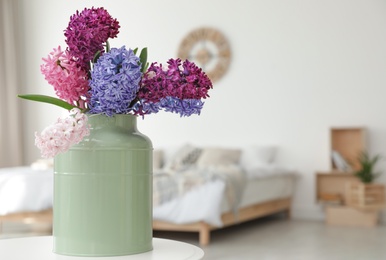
point(366, 194)
point(367, 172)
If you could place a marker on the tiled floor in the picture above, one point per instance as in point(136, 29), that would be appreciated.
point(270, 239)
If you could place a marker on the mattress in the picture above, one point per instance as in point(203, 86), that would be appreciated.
point(264, 189)
point(207, 202)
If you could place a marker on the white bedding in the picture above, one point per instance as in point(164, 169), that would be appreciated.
point(207, 202)
point(200, 204)
point(25, 189)
point(265, 181)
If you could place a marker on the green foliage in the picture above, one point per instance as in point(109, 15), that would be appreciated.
point(366, 174)
point(47, 99)
point(143, 59)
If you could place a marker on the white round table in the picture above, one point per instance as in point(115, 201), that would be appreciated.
point(41, 248)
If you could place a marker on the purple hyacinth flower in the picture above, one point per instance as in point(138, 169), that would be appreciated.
point(114, 82)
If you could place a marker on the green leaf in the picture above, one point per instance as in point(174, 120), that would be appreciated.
point(48, 99)
point(96, 56)
point(107, 46)
point(143, 59)
point(146, 67)
point(135, 51)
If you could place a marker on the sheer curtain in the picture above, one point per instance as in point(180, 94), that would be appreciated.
point(10, 112)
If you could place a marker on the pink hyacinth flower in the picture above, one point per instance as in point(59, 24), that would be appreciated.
point(60, 136)
point(69, 81)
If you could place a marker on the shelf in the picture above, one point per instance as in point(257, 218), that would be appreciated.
point(331, 186)
point(349, 143)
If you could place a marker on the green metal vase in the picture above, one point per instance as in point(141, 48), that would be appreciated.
point(103, 191)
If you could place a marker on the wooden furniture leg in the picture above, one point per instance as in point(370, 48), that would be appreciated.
point(204, 234)
point(287, 213)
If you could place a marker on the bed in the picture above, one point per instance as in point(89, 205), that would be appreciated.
point(262, 196)
point(258, 184)
point(26, 193)
point(238, 189)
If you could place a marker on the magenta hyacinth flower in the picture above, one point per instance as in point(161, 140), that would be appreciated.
point(178, 89)
point(188, 82)
point(86, 33)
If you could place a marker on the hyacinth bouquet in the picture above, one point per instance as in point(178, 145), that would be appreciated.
point(89, 78)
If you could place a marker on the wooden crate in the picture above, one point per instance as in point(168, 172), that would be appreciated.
point(331, 186)
point(349, 143)
point(347, 216)
point(366, 196)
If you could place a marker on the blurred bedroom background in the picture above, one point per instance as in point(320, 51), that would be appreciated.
point(298, 69)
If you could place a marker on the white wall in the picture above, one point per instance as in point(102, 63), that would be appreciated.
point(298, 68)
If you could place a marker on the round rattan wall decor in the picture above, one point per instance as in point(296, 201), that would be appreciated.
point(209, 49)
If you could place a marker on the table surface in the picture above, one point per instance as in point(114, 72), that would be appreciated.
point(41, 248)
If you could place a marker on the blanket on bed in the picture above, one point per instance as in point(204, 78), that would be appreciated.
point(169, 185)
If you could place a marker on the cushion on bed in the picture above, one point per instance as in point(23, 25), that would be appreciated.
point(185, 156)
point(218, 156)
point(257, 155)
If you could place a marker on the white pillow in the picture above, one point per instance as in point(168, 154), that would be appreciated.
point(218, 156)
point(257, 155)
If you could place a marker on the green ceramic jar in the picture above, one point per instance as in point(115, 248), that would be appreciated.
point(103, 191)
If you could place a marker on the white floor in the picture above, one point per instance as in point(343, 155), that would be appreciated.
point(270, 238)
point(277, 239)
